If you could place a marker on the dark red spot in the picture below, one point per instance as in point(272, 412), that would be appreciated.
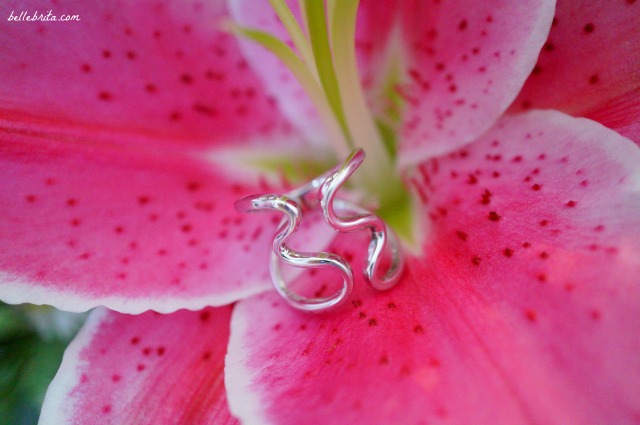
point(536, 187)
point(116, 378)
point(86, 68)
point(542, 277)
point(543, 223)
point(462, 235)
point(186, 79)
point(206, 356)
point(531, 315)
point(106, 54)
point(549, 46)
point(595, 314)
point(508, 252)
point(146, 351)
point(384, 359)
point(131, 55)
point(476, 261)
point(135, 340)
point(106, 409)
point(594, 79)
point(391, 306)
point(204, 316)
point(494, 216)
point(186, 228)
point(75, 222)
point(356, 303)
point(143, 200)
point(150, 88)
point(486, 197)
point(462, 25)
point(193, 186)
point(118, 229)
point(472, 179)
point(418, 329)
point(30, 198)
point(104, 95)
point(544, 255)
point(373, 322)
point(71, 202)
point(571, 204)
point(140, 367)
point(160, 351)
point(588, 28)
point(204, 109)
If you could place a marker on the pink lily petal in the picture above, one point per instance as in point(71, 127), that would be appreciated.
point(589, 66)
point(522, 309)
point(145, 369)
point(85, 224)
point(161, 69)
point(468, 61)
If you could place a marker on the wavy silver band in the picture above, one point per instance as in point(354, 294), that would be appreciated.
point(321, 192)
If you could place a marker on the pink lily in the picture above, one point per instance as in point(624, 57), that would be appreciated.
point(520, 304)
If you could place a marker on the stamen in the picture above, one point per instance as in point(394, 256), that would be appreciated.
point(297, 36)
point(317, 25)
point(304, 77)
point(379, 167)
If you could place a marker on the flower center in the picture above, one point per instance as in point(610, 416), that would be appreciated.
point(324, 62)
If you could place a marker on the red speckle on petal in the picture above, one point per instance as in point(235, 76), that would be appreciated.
point(105, 95)
point(494, 216)
point(531, 315)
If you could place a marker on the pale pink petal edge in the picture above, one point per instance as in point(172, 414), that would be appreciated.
point(244, 402)
point(67, 377)
point(15, 290)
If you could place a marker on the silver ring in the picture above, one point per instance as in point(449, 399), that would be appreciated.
point(321, 192)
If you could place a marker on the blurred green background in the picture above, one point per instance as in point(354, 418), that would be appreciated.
point(32, 342)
